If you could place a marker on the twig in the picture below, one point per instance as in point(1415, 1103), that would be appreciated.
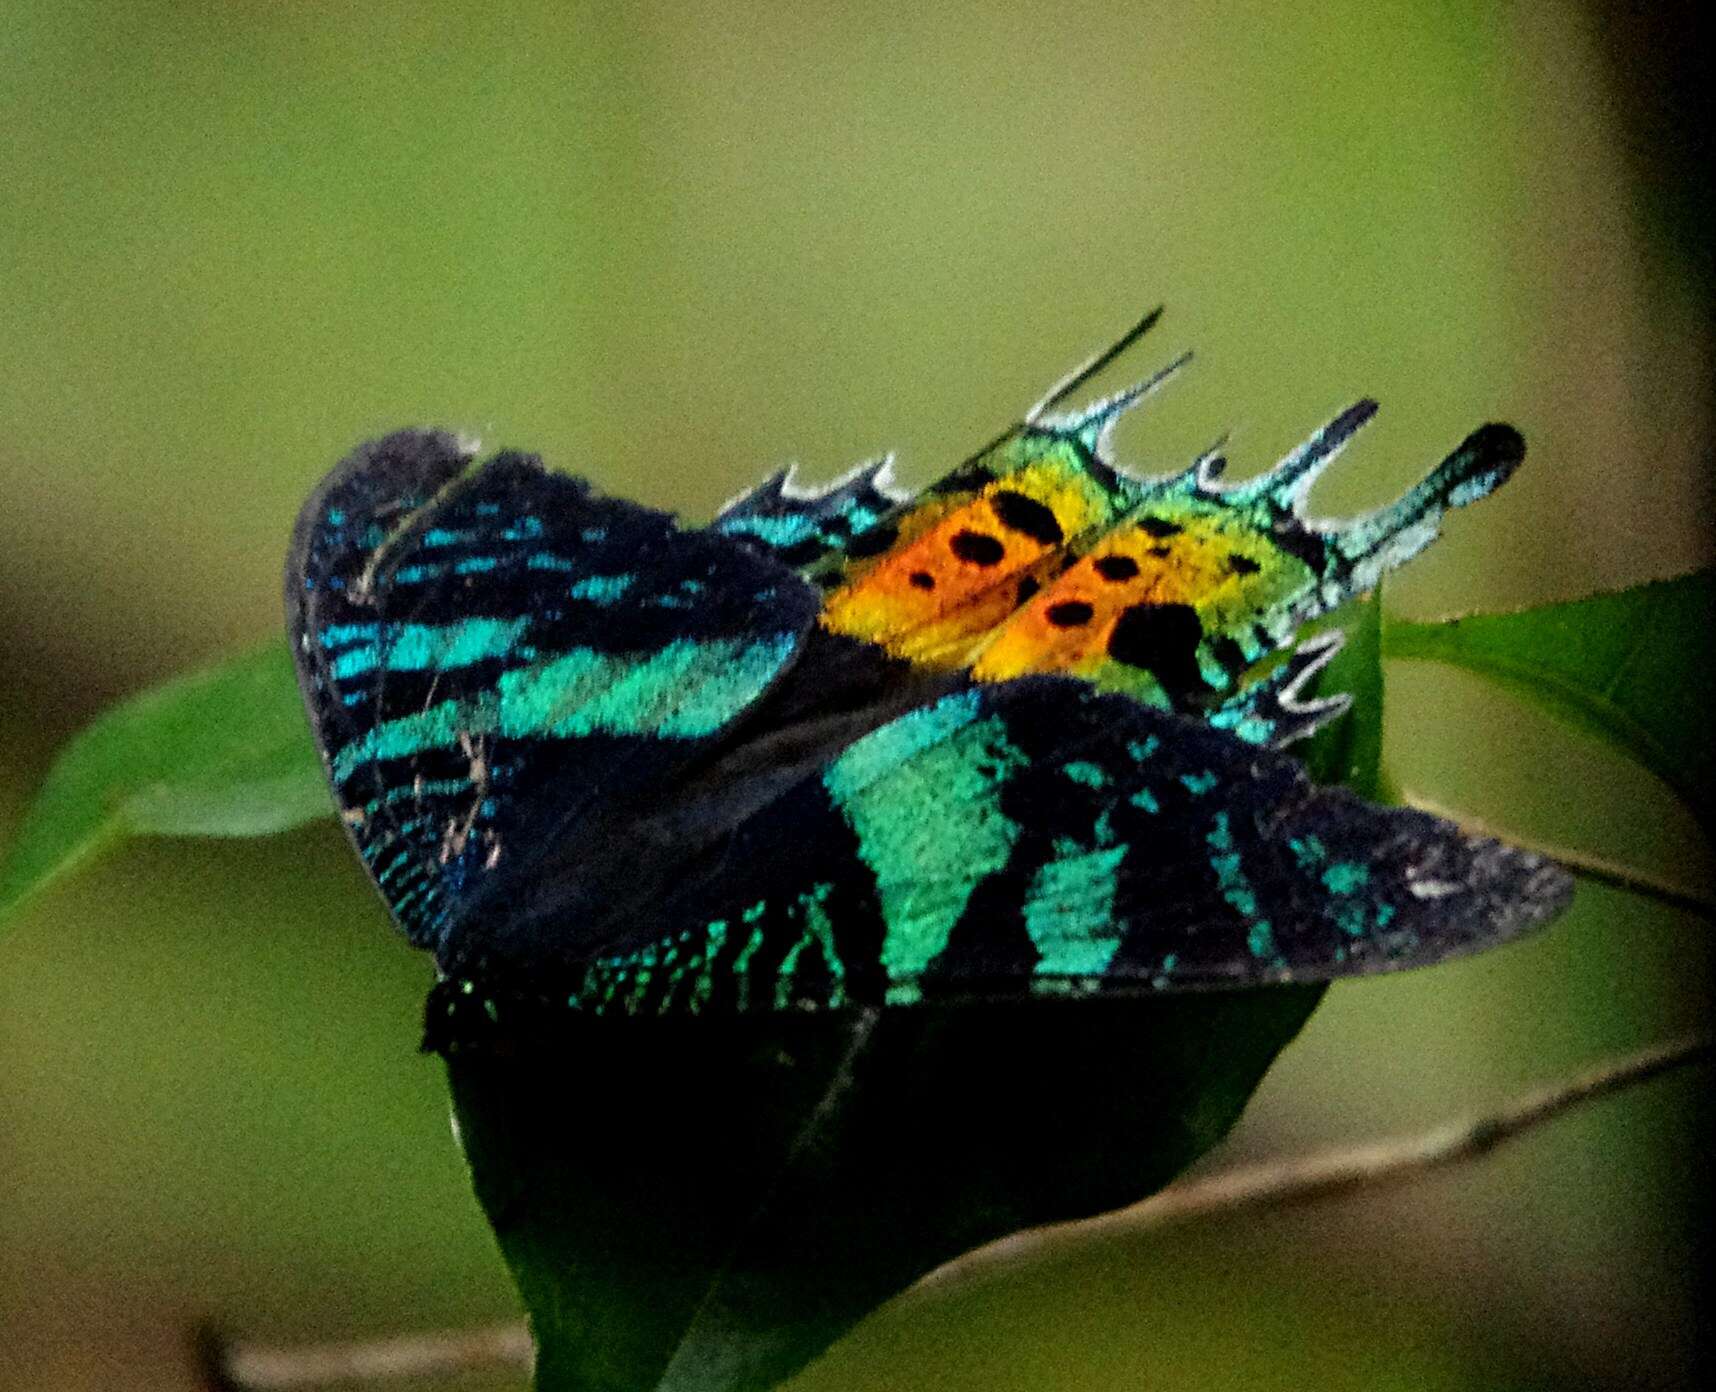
point(1594, 867)
point(1279, 1184)
point(1304, 1179)
point(240, 1367)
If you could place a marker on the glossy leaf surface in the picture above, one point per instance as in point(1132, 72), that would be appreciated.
point(220, 752)
point(1628, 668)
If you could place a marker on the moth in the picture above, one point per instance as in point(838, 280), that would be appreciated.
point(1018, 735)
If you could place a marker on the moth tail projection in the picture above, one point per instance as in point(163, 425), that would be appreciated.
point(1091, 366)
point(1079, 440)
point(1366, 549)
point(831, 532)
point(1040, 555)
point(1092, 426)
point(1289, 482)
point(1277, 709)
point(1347, 558)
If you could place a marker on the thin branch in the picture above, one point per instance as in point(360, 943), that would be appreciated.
point(239, 1367)
point(1281, 1184)
point(1305, 1179)
point(1595, 867)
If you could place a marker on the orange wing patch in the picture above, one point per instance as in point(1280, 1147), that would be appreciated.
point(933, 597)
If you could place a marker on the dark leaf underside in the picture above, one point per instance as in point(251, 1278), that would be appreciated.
point(698, 1205)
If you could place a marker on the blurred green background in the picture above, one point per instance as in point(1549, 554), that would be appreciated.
point(670, 246)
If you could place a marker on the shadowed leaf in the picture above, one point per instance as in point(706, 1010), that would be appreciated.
point(699, 1205)
point(1349, 750)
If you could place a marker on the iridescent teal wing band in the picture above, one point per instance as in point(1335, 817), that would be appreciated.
point(498, 662)
point(1037, 837)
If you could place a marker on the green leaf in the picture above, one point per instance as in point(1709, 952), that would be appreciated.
point(1349, 750)
point(1629, 668)
point(221, 752)
point(705, 1205)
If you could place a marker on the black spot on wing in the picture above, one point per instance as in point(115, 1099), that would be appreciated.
point(1027, 516)
point(802, 553)
point(1163, 639)
point(1070, 613)
point(1116, 568)
point(1292, 536)
point(977, 548)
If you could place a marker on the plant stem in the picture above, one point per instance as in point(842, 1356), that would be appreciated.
point(244, 1367)
point(1303, 1179)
